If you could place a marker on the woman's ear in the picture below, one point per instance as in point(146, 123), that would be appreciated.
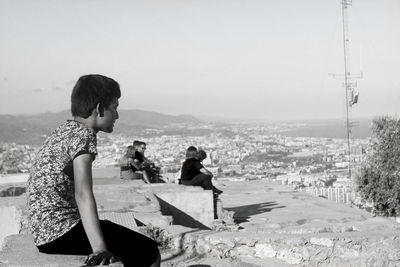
point(100, 109)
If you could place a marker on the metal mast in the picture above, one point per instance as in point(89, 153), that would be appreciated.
point(349, 83)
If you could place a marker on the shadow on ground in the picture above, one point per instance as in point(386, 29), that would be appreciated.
point(13, 191)
point(179, 216)
point(243, 213)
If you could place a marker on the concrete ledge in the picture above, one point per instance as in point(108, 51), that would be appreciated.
point(12, 214)
point(10, 222)
point(19, 250)
point(190, 206)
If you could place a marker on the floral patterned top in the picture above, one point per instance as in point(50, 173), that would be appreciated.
point(52, 209)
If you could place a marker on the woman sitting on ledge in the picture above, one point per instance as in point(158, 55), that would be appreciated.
point(131, 164)
point(125, 164)
point(194, 173)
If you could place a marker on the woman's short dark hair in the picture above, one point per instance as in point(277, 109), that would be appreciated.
point(201, 155)
point(130, 151)
point(91, 90)
point(191, 152)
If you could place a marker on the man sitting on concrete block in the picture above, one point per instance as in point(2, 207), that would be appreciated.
point(194, 173)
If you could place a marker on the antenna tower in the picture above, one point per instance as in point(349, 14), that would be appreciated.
point(349, 79)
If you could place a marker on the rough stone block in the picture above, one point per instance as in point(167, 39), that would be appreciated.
point(245, 251)
point(326, 242)
point(203, 247)
point(264, 251)
point(220, 239)
point(289, 256)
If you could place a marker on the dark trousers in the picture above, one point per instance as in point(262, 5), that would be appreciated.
point(133, 248)
point(202, 180)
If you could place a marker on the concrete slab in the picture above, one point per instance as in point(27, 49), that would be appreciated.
point(10, 222)
point(12, 213)
point(19, 250)
point(155, 219)
point(106, 173)
point(190, 206)
point(126, 219)
point(14, 178)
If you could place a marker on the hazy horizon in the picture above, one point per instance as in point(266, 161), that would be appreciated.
point(263, 60)
point(222, 119)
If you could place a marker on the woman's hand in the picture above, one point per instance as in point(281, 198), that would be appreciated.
point(102, 257)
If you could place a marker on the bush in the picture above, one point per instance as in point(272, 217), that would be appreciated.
point(161, 236)
point(379, 180)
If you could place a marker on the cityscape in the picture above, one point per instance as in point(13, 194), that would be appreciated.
point(235, 151)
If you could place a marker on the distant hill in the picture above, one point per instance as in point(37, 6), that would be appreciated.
point(31, 129)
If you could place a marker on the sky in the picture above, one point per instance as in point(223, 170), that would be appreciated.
point(250, 59)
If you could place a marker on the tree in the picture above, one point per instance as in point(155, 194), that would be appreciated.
point(379, 180)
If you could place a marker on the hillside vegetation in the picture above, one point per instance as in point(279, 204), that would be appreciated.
point(379, 181)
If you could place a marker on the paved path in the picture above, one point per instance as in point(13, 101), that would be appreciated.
point(283, 227)
point(269, 207)
point(14, 178)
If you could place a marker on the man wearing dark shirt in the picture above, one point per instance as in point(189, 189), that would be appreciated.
point(194, 173)
point(138, 159)
point(191, 168)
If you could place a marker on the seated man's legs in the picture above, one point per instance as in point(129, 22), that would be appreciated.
point(153, 174)
point(74, 242)
point(202, 180)
point(133, 248)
